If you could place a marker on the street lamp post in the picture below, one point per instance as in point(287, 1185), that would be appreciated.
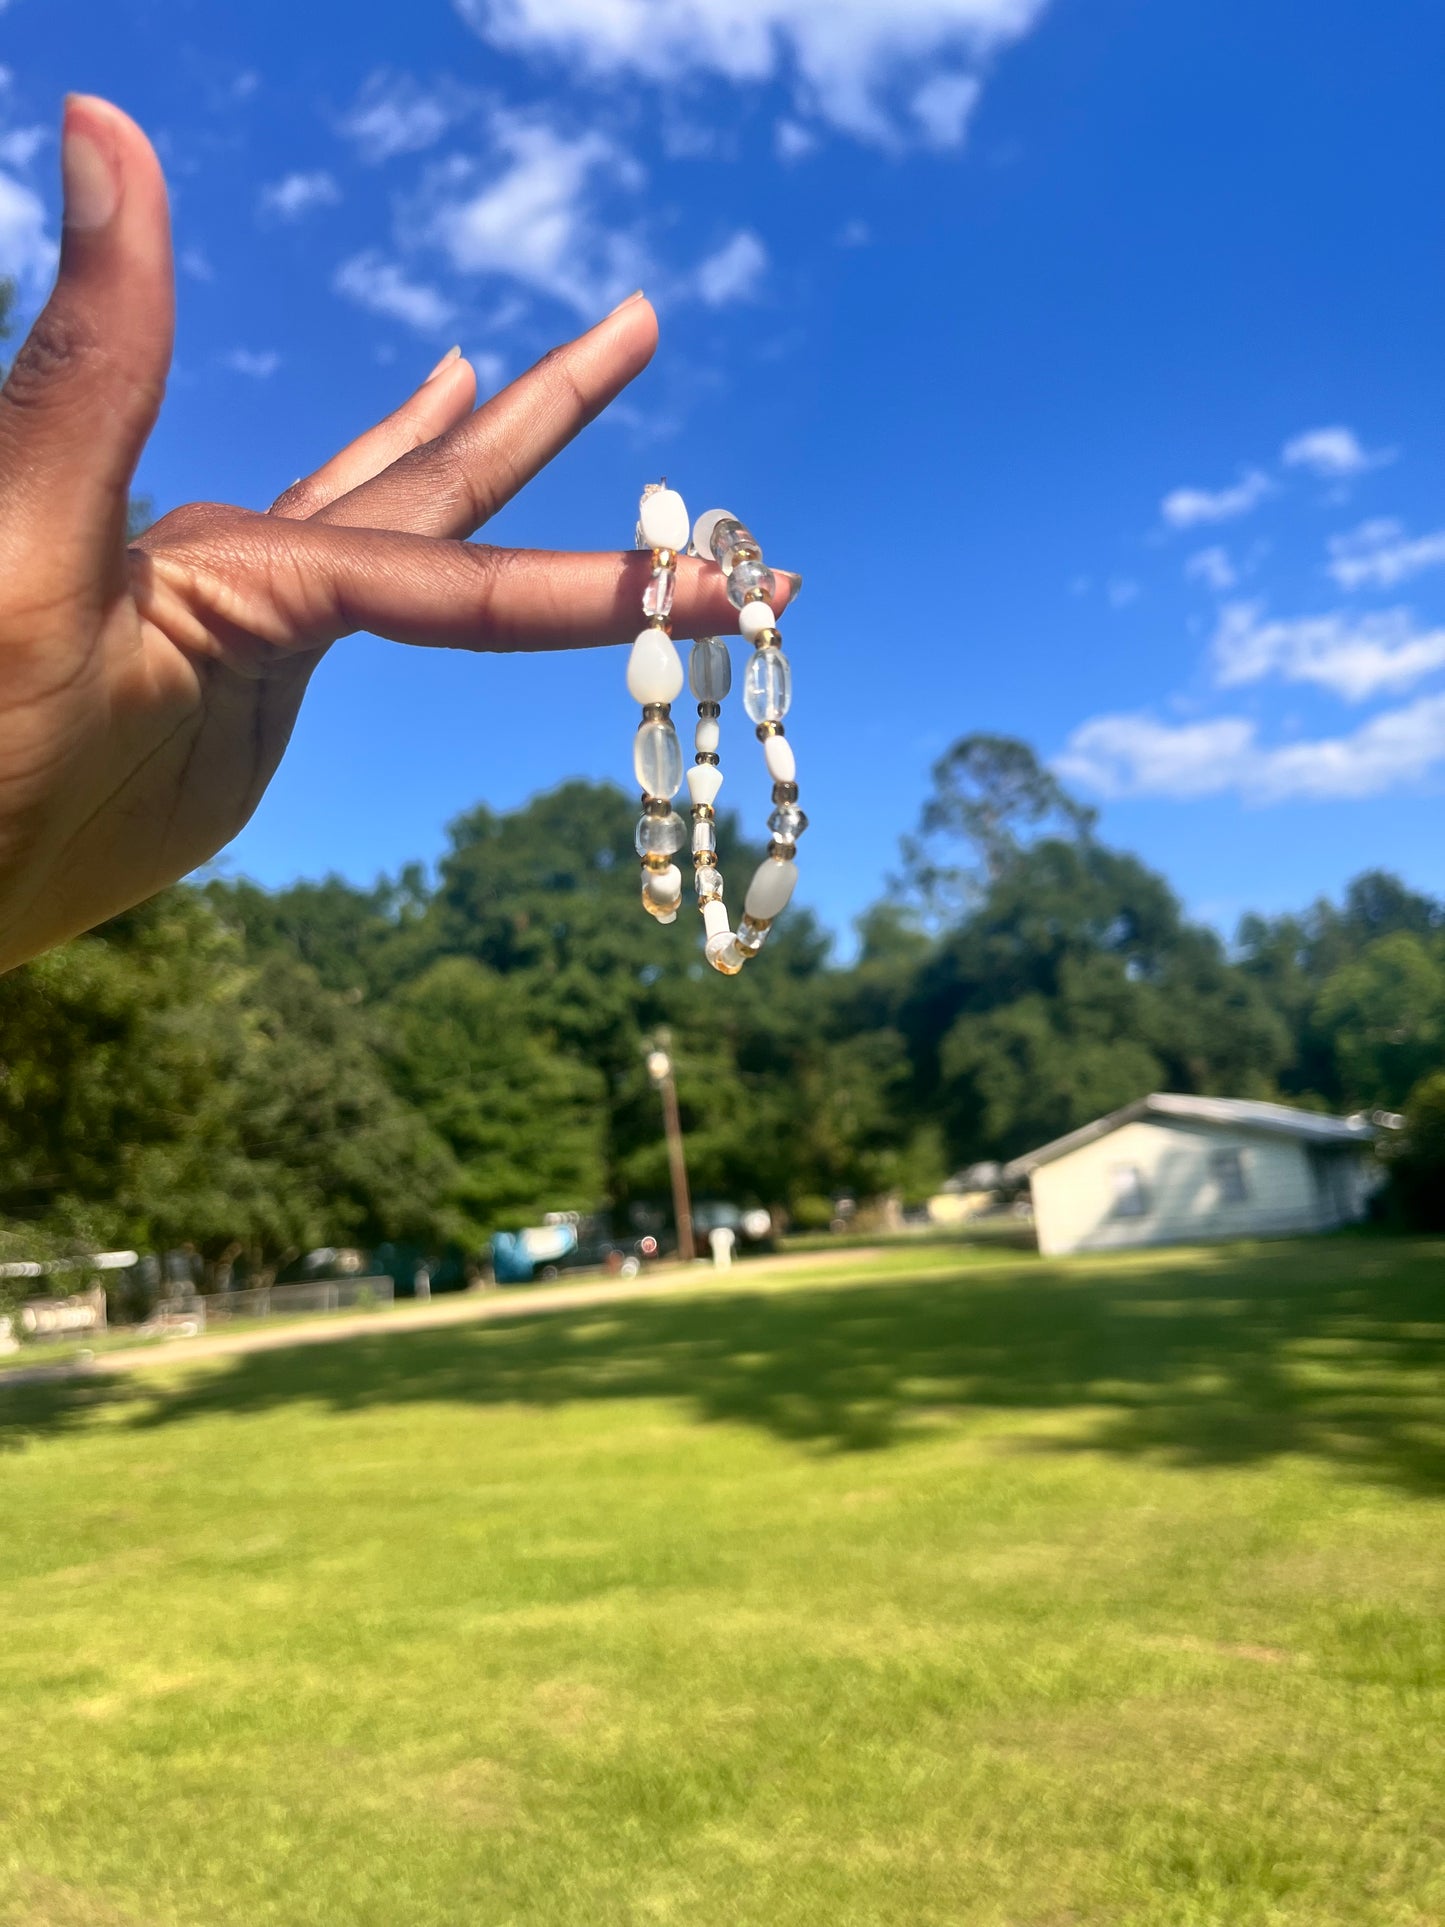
point(659, 1069)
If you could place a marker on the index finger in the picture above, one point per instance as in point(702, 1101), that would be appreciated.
point(457, 482)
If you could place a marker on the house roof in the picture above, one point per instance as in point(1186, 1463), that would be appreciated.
point(1241, 1113)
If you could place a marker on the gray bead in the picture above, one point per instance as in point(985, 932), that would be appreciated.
point(710, 669)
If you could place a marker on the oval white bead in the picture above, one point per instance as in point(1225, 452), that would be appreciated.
point(707, 735)
point(714, 918)
point(654, 669)
point(779, 757)
point(704, 780)
point(770, 888)
point(753, 618)
point(663, 887)
point(703, 527)
point(663, 520)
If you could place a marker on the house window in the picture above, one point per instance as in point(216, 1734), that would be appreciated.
point(1227, 1169)
point(1131, 1200)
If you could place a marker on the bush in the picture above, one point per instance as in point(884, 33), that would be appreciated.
point(1417, 1162)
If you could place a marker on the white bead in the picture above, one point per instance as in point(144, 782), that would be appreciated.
point(703, 527)
point(704, 780)
point(770, 888)
point(707, 736)
point(667, 916)
point(654, 669)
point(714, 918)
point(753, 618)
point(663, 887)
point(778, 755)
point(723, 954)
point(663, 520)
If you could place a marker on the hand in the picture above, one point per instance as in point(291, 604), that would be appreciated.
point(147, 693)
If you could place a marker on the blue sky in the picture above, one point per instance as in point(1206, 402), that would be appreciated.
point(1085, 357)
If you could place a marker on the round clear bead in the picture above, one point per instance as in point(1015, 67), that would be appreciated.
point(710, 669)
point(768, 686)
point(748, 576)
point(708, 882)
point(661, 835)
point(787, 823)
point(657, 758)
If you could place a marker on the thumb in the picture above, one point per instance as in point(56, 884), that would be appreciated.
point(85, 389)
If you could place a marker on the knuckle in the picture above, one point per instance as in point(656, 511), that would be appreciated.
point(61, 342)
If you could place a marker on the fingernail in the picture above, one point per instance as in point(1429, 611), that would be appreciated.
point(451, 355)
point(87, 174)
point(636, 295)
point(797, 582)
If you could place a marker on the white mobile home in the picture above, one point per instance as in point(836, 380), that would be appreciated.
point(1178, 1170)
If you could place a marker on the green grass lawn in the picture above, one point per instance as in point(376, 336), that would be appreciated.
point(947, 1588)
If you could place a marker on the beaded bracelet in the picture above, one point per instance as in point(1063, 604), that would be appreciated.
point(654, 676)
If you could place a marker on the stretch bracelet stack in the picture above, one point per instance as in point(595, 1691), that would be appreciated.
point(654, 676)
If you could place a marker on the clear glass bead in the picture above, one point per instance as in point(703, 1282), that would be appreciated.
point(710, 669)
point(768, 686)
point(750, 936)
point(746, 577)
point(708, 882)
point(661, 835)
point(727, 536)
point(657, 759)
point(787, 823)
point(657, 596)
point(704, 837)
point(723, 954)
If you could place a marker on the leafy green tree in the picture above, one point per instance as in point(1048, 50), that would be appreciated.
point(1385, 1011)
point(1417, 1160)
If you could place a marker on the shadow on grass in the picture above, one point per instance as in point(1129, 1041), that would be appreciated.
point(1334, 1349)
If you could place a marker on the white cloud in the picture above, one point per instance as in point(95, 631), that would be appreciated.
point(1379, 554)
point(1135, 755)
point(1213, 568)
point(26, 250)
point(942, 106)
point(792, 140)
point(1333, 453)
point(1121, 591)
point(1355, 656)
point(396, 116)
point(537, 219)
point(19, 147)
point(854, 234)
point(852, 62)
point(196, 263)
point(259, 367)
point(381, 286)
point(733, 273)
point(298, 194)
point(1186, 508)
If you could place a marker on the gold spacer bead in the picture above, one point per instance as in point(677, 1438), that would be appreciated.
point(664, 623)
point(655, 860)
point(707, 756)
point(768, 639)
point(655, 805)
point(765, 730)
point(757, 923)
point(703, 813)
point(704, 859)
point(656, 712)
point(709, 710)
point(756, 595)
point(782, 852)
point(785, 792)
point(663, 558)
point(711, 896)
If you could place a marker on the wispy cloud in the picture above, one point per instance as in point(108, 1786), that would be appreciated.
point(1213, 568)
point(850, 62)
point(257, 367)
point(535, 214)
point(733, 273)
point(381, 286)
point(396, 115)
point(1136, 755)
point(196, 263)
point(1355, 656)
point(1379, 554)
point(1335, 454)
point(792, 140)
point(26, 249)
point(1188, 508)
point(1121, 590)
point(20, 145)
point(298, 194)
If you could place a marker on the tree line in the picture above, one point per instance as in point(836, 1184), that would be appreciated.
point(258, 1072)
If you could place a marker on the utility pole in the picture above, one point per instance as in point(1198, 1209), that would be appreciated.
point(659, 1069)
